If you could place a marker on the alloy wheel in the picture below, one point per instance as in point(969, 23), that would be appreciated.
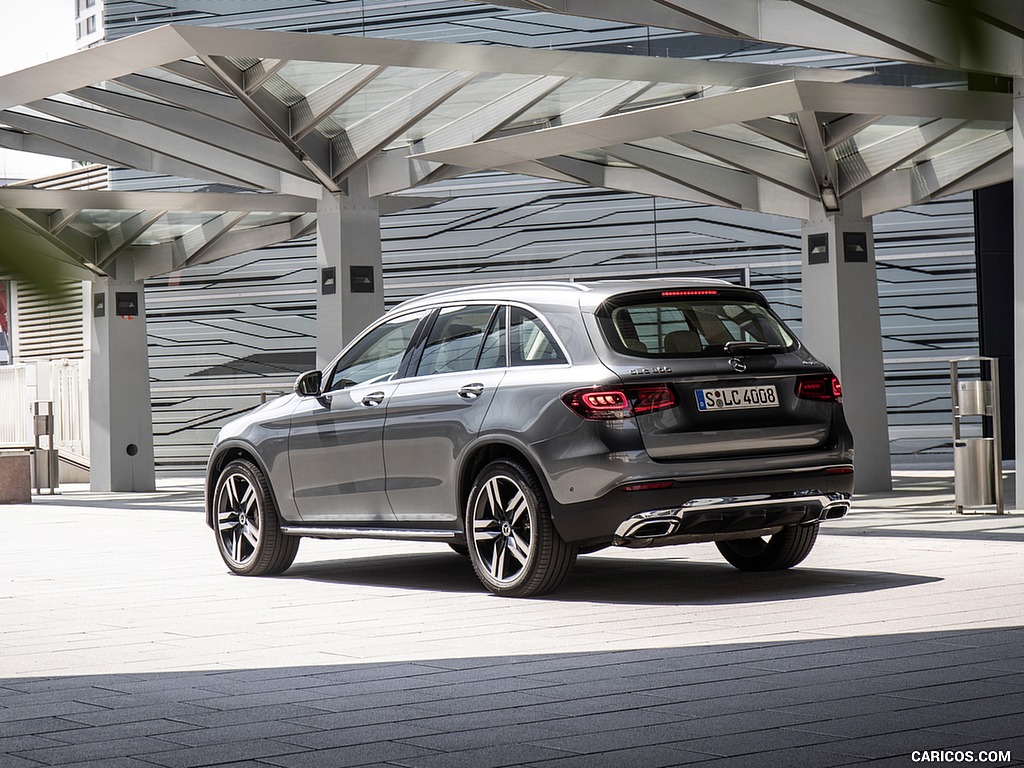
point(239, 518)
point(503, 529)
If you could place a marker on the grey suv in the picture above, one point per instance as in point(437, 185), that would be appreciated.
point(522, 424)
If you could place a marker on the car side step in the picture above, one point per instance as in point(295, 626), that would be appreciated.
point(337, 532)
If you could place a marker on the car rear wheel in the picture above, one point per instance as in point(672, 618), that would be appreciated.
point(783, 550)
point(514, 547)
point(248, 533)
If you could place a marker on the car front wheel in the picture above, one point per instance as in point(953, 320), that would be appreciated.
point(249, 536)
point(514, 547)
point(782, 550)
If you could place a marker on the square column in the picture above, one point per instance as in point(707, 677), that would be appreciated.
point(349, 277)
point(842, 327)
point(120, 409)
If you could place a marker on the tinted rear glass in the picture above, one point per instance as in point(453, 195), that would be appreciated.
point(664, 324)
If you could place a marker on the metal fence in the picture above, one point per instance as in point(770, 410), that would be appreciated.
point(65, 383)
point(15, 407)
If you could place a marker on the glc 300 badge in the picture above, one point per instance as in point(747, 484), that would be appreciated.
point(643, 371)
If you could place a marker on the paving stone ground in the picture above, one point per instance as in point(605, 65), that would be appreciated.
point(124, 643)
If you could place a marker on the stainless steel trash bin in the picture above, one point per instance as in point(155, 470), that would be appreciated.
point(974, 397)
point(45, 459)
point(973, 463)
point(977, 461)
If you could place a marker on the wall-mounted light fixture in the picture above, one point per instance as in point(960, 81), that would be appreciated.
point(829, 198)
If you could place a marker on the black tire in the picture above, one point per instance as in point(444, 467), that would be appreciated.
point(783, 550)
point(246, 525)
point(513, 545)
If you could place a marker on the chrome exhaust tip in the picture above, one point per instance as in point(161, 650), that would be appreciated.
point(835, 510)
point(654, 529)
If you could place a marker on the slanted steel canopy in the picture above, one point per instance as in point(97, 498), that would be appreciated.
point(296, 113)
point(303, 115)
point(983, 35)
point(87, 231)
point(776, 148)
point(295, 116)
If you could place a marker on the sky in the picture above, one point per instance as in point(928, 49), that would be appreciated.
point(30, 33)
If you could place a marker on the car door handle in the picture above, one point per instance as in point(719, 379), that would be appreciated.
point(372, 399)
point(471, 391)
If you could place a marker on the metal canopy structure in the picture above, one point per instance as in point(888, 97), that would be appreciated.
point(299, 114)
point(303, 115)
point(293, 117)
point(90, 231)
point(780, 148)
point(981, 35)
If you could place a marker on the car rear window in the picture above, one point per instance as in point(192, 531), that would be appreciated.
point(691, 323)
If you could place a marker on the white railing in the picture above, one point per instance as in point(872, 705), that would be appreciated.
point(15, 407)
point(65, 383)
point(69, 392)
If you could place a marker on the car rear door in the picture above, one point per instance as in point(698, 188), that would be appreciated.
point(436, 412)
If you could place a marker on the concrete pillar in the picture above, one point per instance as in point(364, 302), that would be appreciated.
point(842, 327)
point(1018, 288)
point(120, 410)
point(348, 257)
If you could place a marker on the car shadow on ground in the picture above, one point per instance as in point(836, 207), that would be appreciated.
point(614, 580)
point(828, 701)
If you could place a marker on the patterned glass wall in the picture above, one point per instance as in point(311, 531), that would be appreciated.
point(224, 335)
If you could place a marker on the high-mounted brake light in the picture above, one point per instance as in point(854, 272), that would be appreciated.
point(824, 387)
point(599, 403)
point(690, 292)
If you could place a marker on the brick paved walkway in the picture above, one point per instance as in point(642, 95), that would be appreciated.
point(124, 643)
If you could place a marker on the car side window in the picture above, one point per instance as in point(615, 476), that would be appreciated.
point(453, 344)
point(531, 343)
point(377, 356)
point(494, 353)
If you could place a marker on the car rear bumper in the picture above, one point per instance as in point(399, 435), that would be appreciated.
point(698, 510)
point(717, 519)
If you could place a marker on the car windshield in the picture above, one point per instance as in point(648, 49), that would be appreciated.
point(691, 323)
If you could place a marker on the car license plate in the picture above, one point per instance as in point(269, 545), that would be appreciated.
point(730, 398)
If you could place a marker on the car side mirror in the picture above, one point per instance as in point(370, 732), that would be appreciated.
point(308, 384)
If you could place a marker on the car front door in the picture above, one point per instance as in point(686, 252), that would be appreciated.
point(335, 442)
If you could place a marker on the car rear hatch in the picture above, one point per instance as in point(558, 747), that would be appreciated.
point(714, 373)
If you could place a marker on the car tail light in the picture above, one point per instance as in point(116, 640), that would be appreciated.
point(690, 292)
point(650, 399)
point(597, 403)
point(824, 387)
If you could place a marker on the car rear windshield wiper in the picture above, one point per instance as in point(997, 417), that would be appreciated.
point(749, 346)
